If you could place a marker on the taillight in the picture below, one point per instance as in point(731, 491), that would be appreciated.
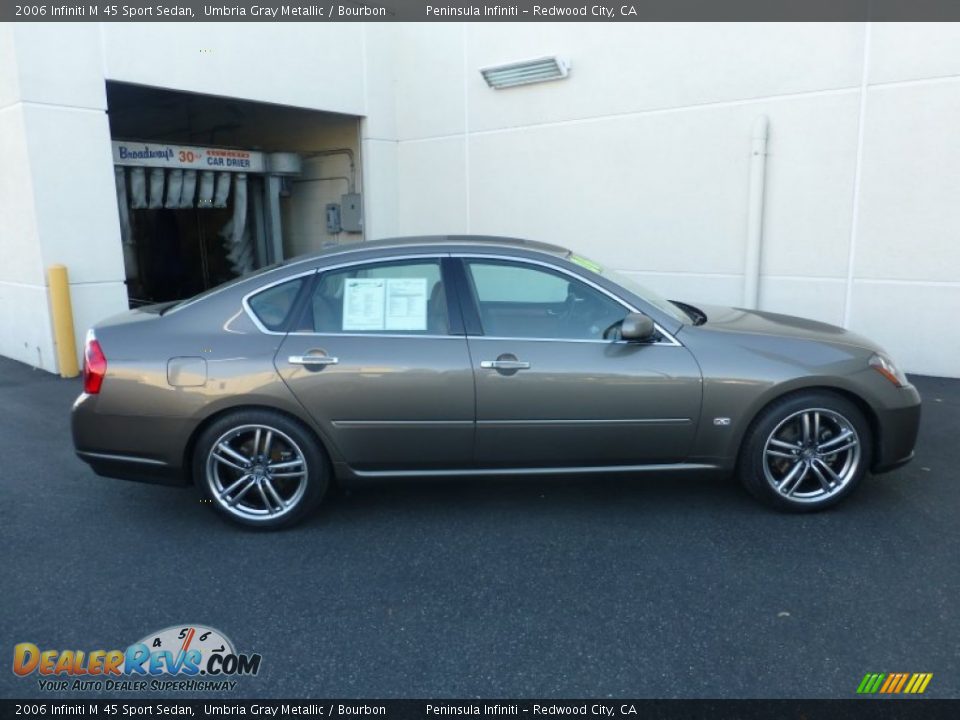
point(94, 366)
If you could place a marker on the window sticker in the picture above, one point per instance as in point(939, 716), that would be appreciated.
point(363, 303)
point(371, 304)
point(585, 263)
point(406, 304)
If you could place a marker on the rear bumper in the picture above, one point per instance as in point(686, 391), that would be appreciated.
point(129, 447)
point(127, 467)
point(897, 430)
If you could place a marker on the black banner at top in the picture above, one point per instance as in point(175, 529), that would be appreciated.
point(492, 709)
point(470, 11)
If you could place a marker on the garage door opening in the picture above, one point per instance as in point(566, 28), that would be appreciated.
point(211, 188)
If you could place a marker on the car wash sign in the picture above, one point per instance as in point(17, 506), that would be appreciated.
point(187, 157)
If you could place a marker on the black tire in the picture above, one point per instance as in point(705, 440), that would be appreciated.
point(786, 415)
point(289, 442)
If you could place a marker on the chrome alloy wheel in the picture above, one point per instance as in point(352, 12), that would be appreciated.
point(811, 455)
point(256, 472)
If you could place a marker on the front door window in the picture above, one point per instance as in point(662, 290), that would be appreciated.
point(522, 301)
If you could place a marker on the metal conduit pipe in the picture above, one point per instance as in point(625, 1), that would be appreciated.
point(339, 178)
point(758, 171)
point(338, 151)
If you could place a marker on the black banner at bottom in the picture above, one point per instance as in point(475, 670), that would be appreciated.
point(865, 709)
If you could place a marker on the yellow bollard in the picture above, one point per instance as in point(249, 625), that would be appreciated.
point(62, 312)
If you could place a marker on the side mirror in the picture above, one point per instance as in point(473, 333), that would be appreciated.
point(637, 328)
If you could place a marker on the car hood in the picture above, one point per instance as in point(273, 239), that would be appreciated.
point(759, 322)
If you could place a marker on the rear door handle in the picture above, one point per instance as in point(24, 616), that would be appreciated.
point(312, 360)
point(504, 365)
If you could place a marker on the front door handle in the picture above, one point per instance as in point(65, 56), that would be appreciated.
point(505, 364)
point(312, 360)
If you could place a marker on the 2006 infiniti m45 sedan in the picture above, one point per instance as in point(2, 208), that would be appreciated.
point(459, 356)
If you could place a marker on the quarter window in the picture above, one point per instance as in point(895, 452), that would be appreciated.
point(274, 305)
point(400, 297)
point(520, 301)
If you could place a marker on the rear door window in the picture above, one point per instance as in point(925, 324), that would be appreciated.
point(396, 297)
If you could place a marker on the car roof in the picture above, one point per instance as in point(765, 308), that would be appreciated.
point(370, 250)
point(431, 241)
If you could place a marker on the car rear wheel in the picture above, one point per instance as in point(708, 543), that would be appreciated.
point(805, 452)
point(260, 468)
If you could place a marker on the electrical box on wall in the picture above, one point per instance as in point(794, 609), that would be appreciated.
point(333, 218)
point(351, 213)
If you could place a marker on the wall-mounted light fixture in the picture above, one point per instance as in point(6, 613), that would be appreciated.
point(525, 72)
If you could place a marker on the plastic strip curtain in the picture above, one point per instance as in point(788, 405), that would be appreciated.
point(174, 185)
point(234, 233)
point(205, 198)
point(126, 230)
point(222, 193)
point(138, 188)
point(189, 188)
point(156, 188)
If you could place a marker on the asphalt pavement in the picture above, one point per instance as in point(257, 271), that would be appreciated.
point(636, 587)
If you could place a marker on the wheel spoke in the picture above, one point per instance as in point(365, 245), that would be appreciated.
point(256, 442)
point(298, 473)
point(246, 488)
point(831, 474)
point(233, 486)
point(805, 423)
point(227, 450)
point(799, 480)
point(784, 444)
point(781, 454)
point(229, 463)
point(284, 465)
point(795, 476)
point(831, 445)
point(824, 483)
point(816, 428)
point(263, 495)
point(267, 441)
point(272, 491)
point(842, 448)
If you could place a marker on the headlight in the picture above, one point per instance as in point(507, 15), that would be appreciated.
point(884, 365)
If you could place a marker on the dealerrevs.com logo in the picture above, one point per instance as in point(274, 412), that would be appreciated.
point(180, 657)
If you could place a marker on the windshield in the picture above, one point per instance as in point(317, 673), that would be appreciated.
point(633, 286)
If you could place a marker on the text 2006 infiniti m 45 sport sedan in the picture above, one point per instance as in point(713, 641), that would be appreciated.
point(456, 356)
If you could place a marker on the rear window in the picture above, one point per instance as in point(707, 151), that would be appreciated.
point(176, 305)
point(274, 305)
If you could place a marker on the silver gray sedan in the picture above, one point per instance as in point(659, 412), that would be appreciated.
point(473, 356)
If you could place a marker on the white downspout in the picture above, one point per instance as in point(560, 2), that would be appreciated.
point(758, 170)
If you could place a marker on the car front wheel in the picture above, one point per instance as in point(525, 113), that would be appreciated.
point(260, 468)
point(805, 452)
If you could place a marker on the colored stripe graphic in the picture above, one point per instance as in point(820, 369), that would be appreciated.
point(871, 683)
point(918, 683)
point(894, 683)
point(903, 680)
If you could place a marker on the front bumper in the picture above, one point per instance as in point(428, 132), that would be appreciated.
point(897, 429)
